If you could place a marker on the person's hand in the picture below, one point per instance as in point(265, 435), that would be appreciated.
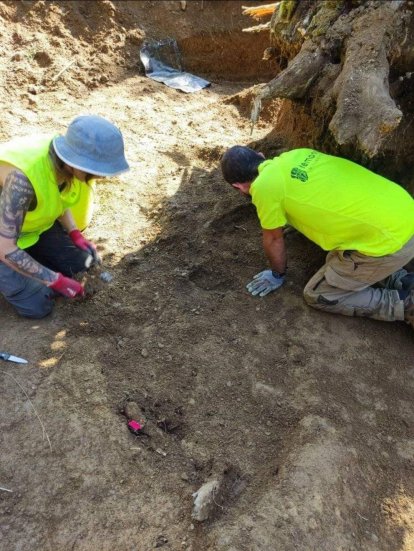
point(79, 240)
point(67, 287)
point(265, 282)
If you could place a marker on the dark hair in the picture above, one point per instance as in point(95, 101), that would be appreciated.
point(239, 164)
point(59, 165)
point(60, 169)
point(57, 162)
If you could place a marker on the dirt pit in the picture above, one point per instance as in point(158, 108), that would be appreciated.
point(306, 417)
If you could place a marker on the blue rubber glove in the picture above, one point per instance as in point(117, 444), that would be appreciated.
point(264, 283)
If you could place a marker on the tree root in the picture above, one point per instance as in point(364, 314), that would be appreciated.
point(364, 114)
point(365, 111)
point(295, 80)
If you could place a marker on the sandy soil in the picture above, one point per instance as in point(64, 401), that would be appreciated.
point(308, 417)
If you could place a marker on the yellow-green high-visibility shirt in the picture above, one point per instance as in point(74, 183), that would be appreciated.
point(31, 156)
point(334, 202)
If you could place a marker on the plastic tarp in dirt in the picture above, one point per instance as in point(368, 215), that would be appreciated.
point(158, 58)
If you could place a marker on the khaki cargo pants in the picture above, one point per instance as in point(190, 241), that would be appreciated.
point(353, 284)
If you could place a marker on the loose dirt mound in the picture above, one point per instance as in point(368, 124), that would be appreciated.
point(306, 417)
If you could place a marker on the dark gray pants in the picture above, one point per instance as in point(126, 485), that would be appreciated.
point(54, 250)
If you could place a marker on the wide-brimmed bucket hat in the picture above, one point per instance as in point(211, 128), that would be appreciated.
point(94, 145)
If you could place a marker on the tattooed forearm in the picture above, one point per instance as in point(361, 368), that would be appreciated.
point(15, 201)
point(22, 262)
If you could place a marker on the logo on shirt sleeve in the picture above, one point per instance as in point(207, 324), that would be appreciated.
point(299, 174)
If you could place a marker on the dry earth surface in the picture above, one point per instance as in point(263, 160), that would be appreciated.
point(308, 417)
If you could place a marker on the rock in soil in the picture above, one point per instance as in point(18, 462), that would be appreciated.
point(206, 499)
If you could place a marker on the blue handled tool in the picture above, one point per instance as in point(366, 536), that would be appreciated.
point(11, 358)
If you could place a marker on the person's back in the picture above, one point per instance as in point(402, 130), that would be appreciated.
point(334, 202)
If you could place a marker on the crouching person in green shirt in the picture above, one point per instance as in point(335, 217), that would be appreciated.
point(365, 221)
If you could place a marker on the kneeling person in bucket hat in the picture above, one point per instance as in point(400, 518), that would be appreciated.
point(41, 247)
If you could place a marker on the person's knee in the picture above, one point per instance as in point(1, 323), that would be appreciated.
point(37, 306)
point(38, 313)
point(320, 302)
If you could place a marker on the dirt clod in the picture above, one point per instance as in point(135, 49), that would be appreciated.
point(43, 58)
point(133, 411)
point(205, 499)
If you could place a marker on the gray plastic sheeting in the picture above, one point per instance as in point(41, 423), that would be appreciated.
point(155, 68)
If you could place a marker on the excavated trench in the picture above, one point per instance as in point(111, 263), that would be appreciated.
point(230, 55)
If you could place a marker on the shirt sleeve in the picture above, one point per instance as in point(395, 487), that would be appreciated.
point(267, 198)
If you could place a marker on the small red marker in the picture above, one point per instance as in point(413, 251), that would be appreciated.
point(134, 426)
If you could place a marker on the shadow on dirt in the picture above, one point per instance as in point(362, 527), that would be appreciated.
point(295, 402)
point(257, 383)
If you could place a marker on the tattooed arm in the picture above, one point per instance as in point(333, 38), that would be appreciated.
point(67, 221)
point(15, 201)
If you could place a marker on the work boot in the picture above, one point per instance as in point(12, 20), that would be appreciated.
point(399, 280)
point(407, 282)
point(409, 309)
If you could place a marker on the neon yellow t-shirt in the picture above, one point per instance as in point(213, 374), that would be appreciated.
point(334, 202)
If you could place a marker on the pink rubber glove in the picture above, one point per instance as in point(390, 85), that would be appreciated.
point(82, 243)
point(67, 287)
